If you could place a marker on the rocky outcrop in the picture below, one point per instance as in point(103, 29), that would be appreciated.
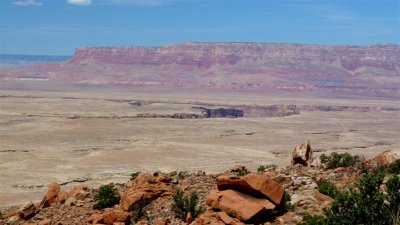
point(144, 189)
point(302, 154)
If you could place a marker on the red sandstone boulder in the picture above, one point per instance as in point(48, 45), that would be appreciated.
point(110, 217)
point(256, 185)
point(302, 154)
point(239, 205)
point(145, 188)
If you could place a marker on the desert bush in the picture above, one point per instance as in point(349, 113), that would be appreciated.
point(313, 220)
point(242, 172)
point(134, 175)
point(182, 174)
point(336, 160)
point(152, 181)
point(394, 168)
point(184, 204)
point(327, 188)
point(107, 197)
point(288, 205)
point(366, 204)
point(393, 198)
point(262, 168)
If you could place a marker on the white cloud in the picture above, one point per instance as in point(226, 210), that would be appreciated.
point(80, 2)
point(27, 3)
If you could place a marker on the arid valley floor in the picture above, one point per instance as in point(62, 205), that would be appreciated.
point(93, 135)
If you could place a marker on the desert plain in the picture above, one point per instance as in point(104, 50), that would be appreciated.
point(87, 134)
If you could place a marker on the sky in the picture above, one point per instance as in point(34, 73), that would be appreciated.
point(57, 27)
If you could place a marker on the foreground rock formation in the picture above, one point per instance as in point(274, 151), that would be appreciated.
point(229, 198)
point(282, 68)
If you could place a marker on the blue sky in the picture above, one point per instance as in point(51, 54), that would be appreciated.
point(57, 27)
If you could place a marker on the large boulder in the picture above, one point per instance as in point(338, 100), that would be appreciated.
point(144, 189)
point(256, 185)
point(302, 154)
point(241, 206)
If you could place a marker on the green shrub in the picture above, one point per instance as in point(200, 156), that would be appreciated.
point(242, 172)
point(313, 220)
point(394, 168)
point(336, 160)
point(152, 181)
point(262, 168)
point(182, 175)
point(134, 175)
point(107, 197)
point(184, 204)
point(327, 188)
point(393, 198)
point(288, 205)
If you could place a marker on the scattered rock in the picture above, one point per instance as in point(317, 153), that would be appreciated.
point(45, 222)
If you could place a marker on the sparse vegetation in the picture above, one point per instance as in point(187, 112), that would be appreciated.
point(152, 180)
point(108, 196)
point(394, 168)
point(366, 204)
point(336, 160)
point(262, 168)
point(288, 205)
point(328, 188)
point(182, 174)
point(134, 175)
point(186, 204)
point(313, 220)
point(242, 172)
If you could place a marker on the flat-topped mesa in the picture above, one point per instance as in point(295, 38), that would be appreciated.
point(208, 54)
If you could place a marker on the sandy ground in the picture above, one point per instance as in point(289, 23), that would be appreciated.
point(39, 143)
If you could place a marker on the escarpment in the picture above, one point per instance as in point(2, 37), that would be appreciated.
point(320, 70)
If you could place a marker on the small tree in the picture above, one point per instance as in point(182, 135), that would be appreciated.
point(107, 197)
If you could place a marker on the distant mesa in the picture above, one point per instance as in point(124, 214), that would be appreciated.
point(251, 67)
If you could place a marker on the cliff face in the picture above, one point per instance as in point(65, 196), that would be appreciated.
point(270, 68)
point(208, 54)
